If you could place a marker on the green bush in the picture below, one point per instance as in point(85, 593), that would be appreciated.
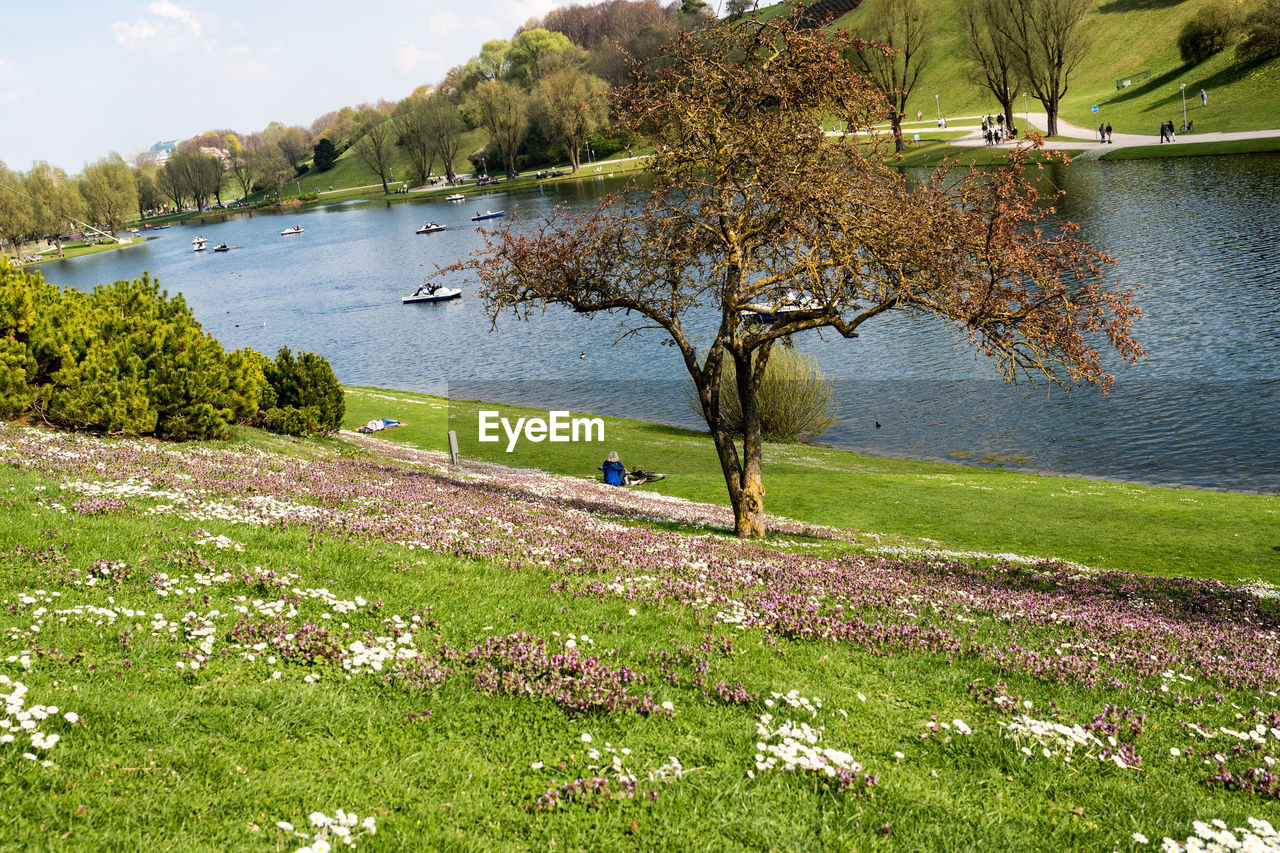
point(308, 398)
point(1262, 33)
point(1209, 31)
point(129, 360)
point(796, 399)
point(33, 337)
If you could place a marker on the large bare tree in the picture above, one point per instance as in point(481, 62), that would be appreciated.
point(1047, 40)
point(988, 54)
point(902, 26)
point(746, 201)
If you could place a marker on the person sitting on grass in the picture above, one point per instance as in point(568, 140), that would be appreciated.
point(615, 473)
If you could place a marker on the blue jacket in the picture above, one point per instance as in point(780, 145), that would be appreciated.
point(613, 473)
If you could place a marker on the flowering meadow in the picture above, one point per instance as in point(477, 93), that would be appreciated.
point(271, 644)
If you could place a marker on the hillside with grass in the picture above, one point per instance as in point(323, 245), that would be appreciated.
point(1129, 39)
point(273, 644)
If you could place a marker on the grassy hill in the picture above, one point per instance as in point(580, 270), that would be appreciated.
point(205, 644)
point(1129, 37)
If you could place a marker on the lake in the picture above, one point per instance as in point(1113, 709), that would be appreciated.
point(1201, 235)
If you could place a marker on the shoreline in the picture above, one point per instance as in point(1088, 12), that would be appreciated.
point(957, 463)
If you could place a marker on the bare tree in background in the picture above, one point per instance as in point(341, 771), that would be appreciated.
point(902, 26)
point(988, 54)
point(1047, 40)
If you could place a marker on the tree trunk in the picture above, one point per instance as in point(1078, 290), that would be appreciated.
point(1007, 106)
point(1051, 126)
point(748, 502)
point(896, 121)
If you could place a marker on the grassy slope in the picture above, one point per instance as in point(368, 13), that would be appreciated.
point(1100, 523)
point(177, 760)
point(1129, 36)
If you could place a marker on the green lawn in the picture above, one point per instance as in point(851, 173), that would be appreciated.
point(1196, 149)
point(205, 614)
point(1099, 523)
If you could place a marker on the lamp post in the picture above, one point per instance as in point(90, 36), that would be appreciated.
point(1026, 112)
point(484, 166)
point(938, 105)
point(297, 186)
point(1183, 86)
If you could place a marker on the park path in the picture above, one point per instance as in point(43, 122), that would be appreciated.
point(1086, 140)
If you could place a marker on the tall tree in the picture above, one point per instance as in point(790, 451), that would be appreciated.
point(574, 107)
point(271, 169)
point(170, 184)
point(15, 209)
point(492, 63)
point(56, 203)
point(294, 144)
point(195, 175)
point(988, 54)
point(535, 53)
point(904, 28)
point(377, 146)
point(444, 129)
point(109, 191)
point(149, 194)
point(240, 160)
point(746, 200)
point(413, 133)
point(325, 154)
point(502, 109)
point(1047, 40)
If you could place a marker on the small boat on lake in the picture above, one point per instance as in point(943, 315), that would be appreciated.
point(488, 214)
point(455, 197)
point(296, 229)
point(765, 312)
point(198, 244)
point(222, 247)
point(432, 293)
point(430, 228)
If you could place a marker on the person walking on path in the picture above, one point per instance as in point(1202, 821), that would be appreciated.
point(1164, 132)
point(1204, 98)
point(1102, 133)
point(1108, 133)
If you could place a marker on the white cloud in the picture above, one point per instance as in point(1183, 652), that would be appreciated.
point(168, 28)
point(133, 36)
point(409, 56)
point(168, 10)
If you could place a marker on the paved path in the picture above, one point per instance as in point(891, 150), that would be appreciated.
point(1086, 140)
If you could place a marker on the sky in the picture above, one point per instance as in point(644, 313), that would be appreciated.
point(79, 80)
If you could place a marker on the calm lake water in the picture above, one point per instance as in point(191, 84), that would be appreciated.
point(1201, 235)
